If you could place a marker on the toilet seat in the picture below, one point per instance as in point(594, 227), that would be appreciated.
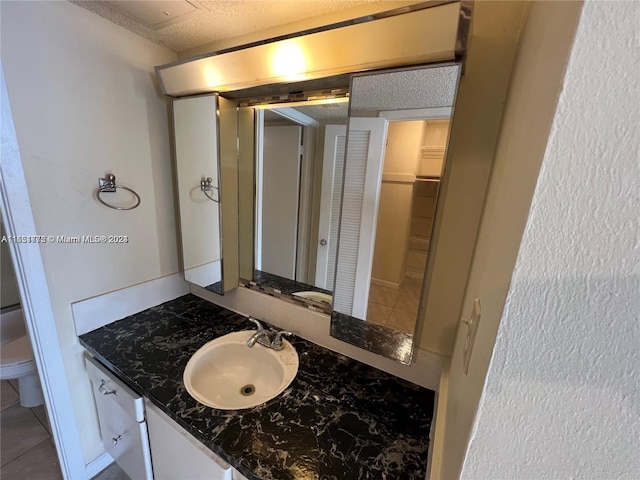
point(16, 359)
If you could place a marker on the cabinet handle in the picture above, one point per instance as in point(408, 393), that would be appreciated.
point(117, 439)
point(103, 389)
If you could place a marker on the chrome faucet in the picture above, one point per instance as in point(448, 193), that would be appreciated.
point(260, 335)
point(263, 337)
point(276, 344)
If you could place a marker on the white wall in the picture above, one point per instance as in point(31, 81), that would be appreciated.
point(530, 106)
point(562, 392)
point(85, 104)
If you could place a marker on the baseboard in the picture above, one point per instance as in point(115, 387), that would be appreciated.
point(97, 465)
point(385, 283)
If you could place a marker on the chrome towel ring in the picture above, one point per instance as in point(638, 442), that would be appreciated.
point(206, 187)
point(108, 185)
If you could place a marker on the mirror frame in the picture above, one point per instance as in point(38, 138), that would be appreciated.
point(389, 342)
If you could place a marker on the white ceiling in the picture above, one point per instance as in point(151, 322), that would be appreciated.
point(182, 25)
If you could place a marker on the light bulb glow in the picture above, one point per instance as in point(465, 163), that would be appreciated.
point(211, 77)
point(288, 62)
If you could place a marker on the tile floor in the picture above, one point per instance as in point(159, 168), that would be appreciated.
point(396, 308)
point(26, 449)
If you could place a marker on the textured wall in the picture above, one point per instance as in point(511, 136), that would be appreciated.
point(562, 392)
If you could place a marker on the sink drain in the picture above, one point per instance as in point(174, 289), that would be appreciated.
point(248, 390)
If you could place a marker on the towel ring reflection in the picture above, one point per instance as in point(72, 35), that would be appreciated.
point(206, 187)
point(108, 185)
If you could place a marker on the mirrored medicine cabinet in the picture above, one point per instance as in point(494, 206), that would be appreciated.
point(324, 193)
point(345, 200)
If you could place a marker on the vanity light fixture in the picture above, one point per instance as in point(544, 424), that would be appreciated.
point(423, 33)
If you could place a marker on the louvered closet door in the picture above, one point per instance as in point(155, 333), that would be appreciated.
point(362, 179)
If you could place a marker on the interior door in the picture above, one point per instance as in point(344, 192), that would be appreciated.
point(331, 191)
point(280, 198)
point(362, 180)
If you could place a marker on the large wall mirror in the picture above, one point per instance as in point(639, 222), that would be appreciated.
point(338, 201)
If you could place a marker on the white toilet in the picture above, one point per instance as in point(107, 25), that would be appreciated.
point(17, 357)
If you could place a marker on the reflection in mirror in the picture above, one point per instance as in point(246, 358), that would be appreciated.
point(298, 172)
point(197, 159)
point(397, 137)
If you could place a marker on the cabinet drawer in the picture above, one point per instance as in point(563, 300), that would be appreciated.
point(108, 386)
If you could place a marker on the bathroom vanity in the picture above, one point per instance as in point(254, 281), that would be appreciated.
point(339, 418)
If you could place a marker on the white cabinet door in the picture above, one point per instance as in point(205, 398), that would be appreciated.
point(177, 455)
point(122, 425)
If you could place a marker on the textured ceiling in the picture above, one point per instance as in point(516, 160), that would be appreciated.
point(429, 87)
point(336, 112)
point(218, 20)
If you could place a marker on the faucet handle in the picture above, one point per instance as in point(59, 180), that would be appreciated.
point(277, 340)
point(257, 323)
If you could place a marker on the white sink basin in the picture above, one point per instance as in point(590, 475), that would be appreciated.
point(228, 375)
point(315, 296)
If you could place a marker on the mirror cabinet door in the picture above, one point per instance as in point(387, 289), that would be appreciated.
point(201, 169)
point(196, 145)
point(396, 144)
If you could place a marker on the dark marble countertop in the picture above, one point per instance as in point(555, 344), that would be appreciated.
point(284, 289)
point(339, 419)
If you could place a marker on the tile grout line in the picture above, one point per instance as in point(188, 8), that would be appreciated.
point(45, 424)
point(32, 411)
point(48, 439)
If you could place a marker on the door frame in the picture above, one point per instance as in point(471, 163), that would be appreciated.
point(36, 301)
